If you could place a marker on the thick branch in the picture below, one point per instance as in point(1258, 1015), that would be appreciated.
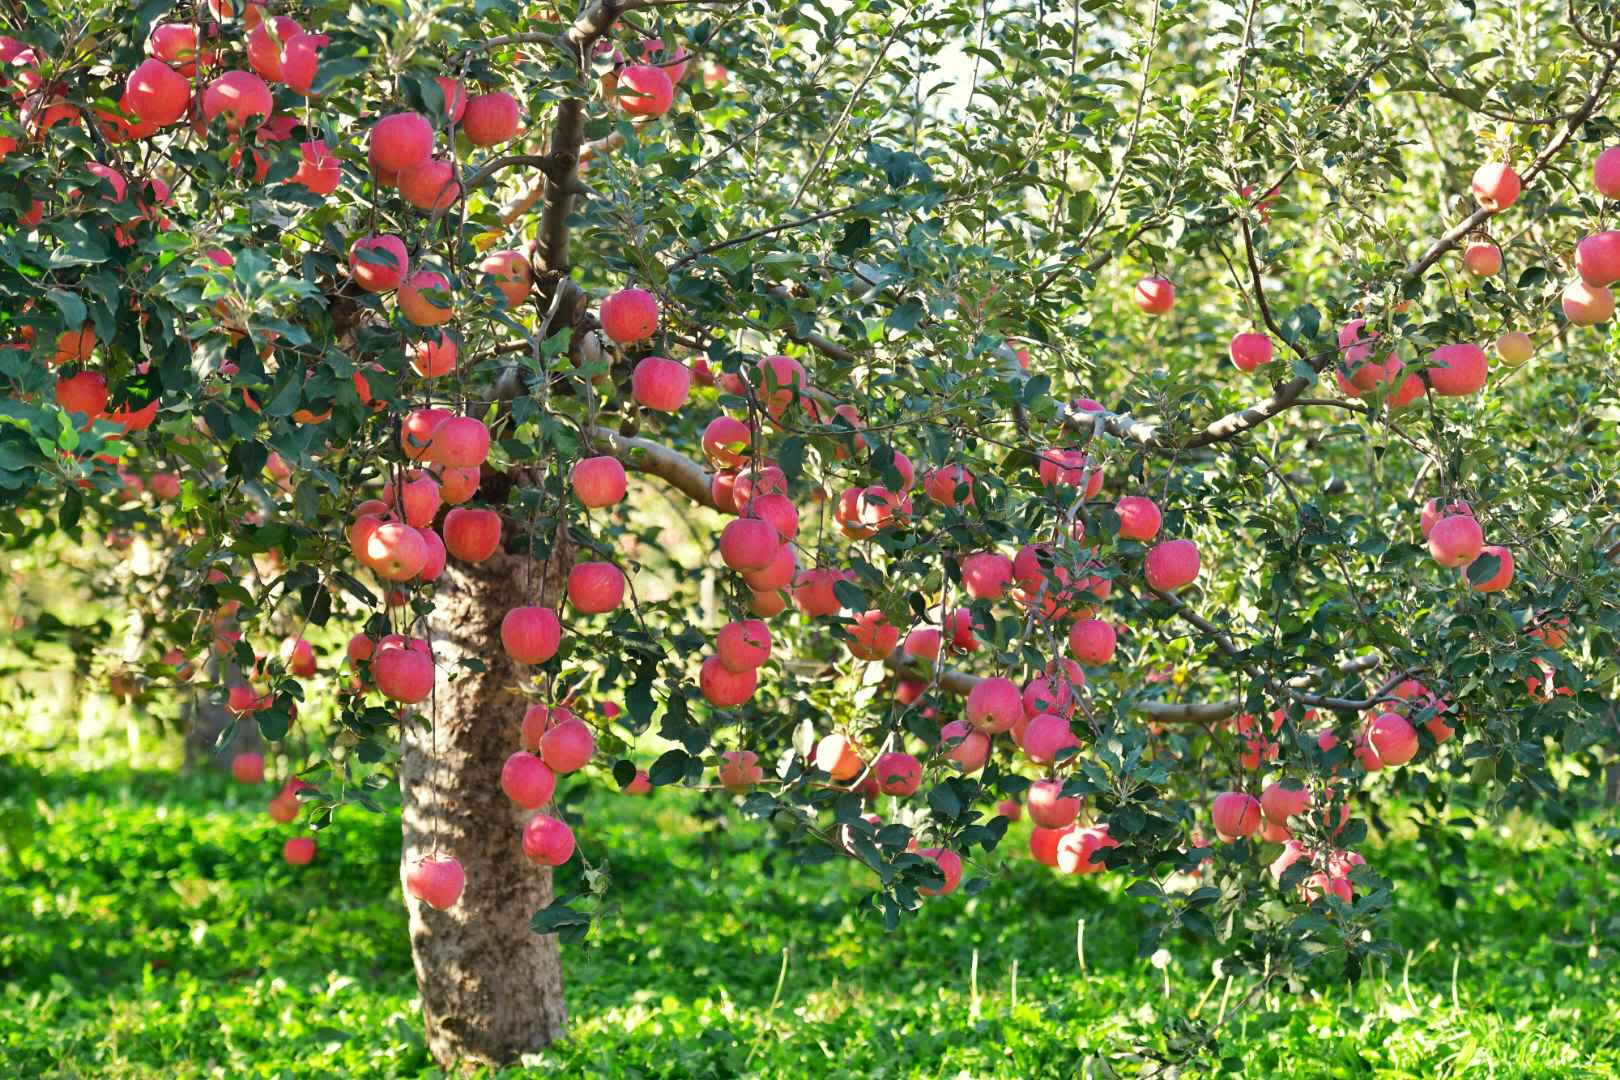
point(655, 459)
point(561, 183)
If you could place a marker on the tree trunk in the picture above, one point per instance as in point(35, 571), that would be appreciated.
point(491, 987)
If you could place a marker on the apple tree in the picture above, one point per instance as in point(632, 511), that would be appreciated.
point(1191, 426)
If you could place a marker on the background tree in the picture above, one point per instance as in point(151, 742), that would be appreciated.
point(1114, 408)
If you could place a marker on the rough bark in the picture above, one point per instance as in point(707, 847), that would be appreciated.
point(491, 988)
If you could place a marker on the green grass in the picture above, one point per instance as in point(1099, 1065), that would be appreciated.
point(149, 928)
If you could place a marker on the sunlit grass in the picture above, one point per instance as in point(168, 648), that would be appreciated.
point(148, 927)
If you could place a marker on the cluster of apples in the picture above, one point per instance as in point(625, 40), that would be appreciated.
point(1036, 716)
point(1458, 369)
point(1455, 540)
point(1386, 739)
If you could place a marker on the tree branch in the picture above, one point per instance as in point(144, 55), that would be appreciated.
point(1577, 119)
point(655, 459)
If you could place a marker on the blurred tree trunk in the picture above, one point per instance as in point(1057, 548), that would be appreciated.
point(491, 987)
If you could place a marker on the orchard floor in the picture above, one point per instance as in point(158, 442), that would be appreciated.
point(148, 927)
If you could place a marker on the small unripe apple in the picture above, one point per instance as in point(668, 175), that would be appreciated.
point(1514, 348)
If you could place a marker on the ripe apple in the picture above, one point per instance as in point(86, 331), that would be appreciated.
point(1155, 295)
point(378, 263)
point(660, 384)
point(438, 883)
point(1496, 186)
point(400, 141)
point(547, 841)
point(598, 481)
point(472, 535)
point(897, 774)
point(724, 688)
point(595, 587)
point(531, 635)
point(629, 315)
point(1171, 565)
point(1587, 305)
point(1456, 540)
point(490, 119)
point(567, 745)
point(743, 645)
point(1250, 350)
point(1235, 814)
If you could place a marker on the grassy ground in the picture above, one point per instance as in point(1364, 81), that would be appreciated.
point(149, 928)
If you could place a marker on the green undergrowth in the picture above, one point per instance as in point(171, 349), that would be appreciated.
point(148, 927)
